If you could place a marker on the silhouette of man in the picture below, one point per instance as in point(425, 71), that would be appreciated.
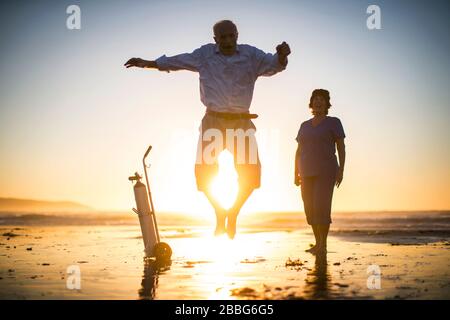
point(228, 72)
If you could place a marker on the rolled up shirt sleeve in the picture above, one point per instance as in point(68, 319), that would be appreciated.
point(267, 64)
point(338, 129)
point(185, 61)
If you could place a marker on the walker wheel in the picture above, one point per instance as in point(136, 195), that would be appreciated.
point(162, 251)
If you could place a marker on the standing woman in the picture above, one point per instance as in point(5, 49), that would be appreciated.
point(317, 170)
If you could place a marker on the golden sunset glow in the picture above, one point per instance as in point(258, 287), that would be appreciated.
point(225, 185)
point(220, 259)
point(85, 143)
point(244, 151)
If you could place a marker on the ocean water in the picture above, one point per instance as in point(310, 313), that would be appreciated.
point(418, 222)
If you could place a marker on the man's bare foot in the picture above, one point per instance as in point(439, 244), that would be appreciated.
point(231, 224)
point(312, 249)
point(220, 223)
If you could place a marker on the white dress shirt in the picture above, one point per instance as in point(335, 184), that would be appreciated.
point(226, 82)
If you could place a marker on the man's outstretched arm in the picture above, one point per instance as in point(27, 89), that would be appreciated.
point(185, 61)
point(141, 63)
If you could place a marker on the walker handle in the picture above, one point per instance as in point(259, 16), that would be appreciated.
point(148, 151)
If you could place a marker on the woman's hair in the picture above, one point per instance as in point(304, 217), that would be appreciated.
point(322, 93)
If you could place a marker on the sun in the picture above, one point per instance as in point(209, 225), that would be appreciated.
point(224, 186)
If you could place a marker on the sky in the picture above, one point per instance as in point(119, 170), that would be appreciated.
point(74, 123)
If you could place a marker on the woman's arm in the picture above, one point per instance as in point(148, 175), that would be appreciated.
point(297, 179)
point(341, 153)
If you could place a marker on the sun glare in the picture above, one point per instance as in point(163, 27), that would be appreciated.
point(224, 186)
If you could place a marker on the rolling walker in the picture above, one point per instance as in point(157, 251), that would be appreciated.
point(147, 218)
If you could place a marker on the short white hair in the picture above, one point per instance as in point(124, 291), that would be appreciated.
point(218, 24)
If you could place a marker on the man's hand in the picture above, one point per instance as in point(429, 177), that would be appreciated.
point(138, 62)
point(283, 51)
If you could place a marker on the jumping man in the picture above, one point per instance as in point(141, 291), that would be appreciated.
point(228, 72)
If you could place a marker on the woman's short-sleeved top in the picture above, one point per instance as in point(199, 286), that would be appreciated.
point(318, 149)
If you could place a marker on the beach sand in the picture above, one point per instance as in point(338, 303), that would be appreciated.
point(258, 264)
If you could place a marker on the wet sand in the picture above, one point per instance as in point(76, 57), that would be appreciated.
point(258, 264)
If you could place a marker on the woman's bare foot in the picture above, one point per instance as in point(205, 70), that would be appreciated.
point(322, 250)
